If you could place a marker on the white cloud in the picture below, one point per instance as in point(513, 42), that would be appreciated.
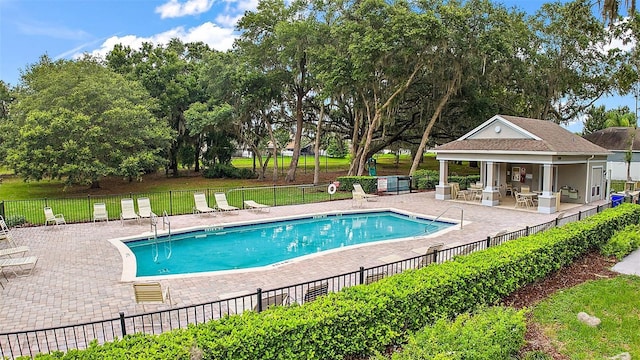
point(228, 20)
point(216, 37)
point(174, 8)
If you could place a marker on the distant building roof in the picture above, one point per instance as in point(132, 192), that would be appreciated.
point(615, 138)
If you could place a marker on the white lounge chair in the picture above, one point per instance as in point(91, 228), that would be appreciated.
point(358, 191)
point(201, 204)
point(144, 208)
point(100, 212)
point(23, 264)
point(52, 218)
point(222, 204)
point(14, 251)
point(128, 211)
point(252, 205)
point(146, 293)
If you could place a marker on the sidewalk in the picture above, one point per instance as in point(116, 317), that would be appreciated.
point(630, 265)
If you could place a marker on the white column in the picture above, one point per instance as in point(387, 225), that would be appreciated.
point(443, 189)
point(489, 195)
point(547, 201)
point(547, 180)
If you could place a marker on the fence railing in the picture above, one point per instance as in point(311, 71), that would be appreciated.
point(174, 202)
point(29, 343)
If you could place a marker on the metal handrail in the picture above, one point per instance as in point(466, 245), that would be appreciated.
point(445, 210)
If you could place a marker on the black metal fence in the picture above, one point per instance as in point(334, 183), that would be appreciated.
point(174, 202)
point(29, 343)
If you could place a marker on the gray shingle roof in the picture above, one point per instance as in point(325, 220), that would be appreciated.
point(555, 139)
point(615, 138)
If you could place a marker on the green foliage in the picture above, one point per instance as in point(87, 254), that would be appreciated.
point(362, 320)
point(15, 220)
point(336, 148)
point(227, 171)
point(536, 355)
point(78, 121)
point(614, 301)
point(369, 183)
point(623, 242)
point(494, 333)
point(428, 179)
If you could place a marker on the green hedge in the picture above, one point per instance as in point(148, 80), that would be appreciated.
point(623, 242)
point(428, 179)
point(361, 320)
point(369, 183)
point(494, 333)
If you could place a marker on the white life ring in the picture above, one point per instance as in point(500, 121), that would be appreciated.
point(332, 189)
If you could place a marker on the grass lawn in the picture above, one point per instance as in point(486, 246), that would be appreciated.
point(14, 188)
point(614, 301)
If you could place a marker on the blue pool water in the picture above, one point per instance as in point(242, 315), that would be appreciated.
point(249, 246)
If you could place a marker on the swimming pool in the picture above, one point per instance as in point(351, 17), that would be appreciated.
point(250, 246)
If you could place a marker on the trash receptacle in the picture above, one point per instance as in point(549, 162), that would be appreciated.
point(616, 200)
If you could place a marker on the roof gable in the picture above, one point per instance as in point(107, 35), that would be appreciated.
point(615, 138)
point(522, 134)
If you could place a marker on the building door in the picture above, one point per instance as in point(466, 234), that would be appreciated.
point(597, 174)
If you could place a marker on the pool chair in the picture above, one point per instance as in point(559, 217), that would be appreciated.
point(316, 291)
point(201, 204)
point(14, 251)
point(24, 265)
point(429, 255)
point(128, 211)
point(144, 208)
point(151, 293)
point(254, 206)
point(100, 212)
point(375, 277)
point(223, 205)
point(359, 193)
point(280, 299)
point(51, 218)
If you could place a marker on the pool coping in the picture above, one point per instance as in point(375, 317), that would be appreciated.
point(129, 260)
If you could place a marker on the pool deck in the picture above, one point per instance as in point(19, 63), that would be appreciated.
point(78, 275)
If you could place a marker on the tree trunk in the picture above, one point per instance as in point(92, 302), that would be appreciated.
point(436, 114)
point(316, 148)
point(300, 93)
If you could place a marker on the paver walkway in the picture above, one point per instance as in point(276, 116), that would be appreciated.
point(78, 275)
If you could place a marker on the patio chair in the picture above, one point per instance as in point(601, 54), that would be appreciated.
point(374, 277)
point(22, 264)
point(144, 208)
point(455, 188)
point(100, 212)
point(280, 299)
point(128, 211)
point(14, 251)
point(146, 293)
point(358, 191)
point(201, 204)
point(521, 201)
point(316, 291)
point(428, 257)
point(254, 206)
point(222, 204)
point(52, 218)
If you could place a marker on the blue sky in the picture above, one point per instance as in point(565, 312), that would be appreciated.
point(67, 28)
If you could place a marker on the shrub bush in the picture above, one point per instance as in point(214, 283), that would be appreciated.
point(362, 320)
point(369, 183)
point(428, 179)
point(228, 171)
point(494, 333)
point(15, 220)
point(623, 242)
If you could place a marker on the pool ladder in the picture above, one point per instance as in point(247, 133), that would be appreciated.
point(426, 228)
point(166, 242)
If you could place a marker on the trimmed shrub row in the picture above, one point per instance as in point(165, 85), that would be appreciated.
point(428, 179)
point(369, 183)
point(494, 333)
point(623, 242)
point(362, 320)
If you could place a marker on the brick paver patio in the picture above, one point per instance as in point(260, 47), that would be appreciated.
point(78, 275)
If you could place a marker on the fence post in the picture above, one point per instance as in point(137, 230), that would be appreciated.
point(557, 219)
point(89, 207)
point(274, 195)
point(170, 202)
point(598, 209)
point(488, 241)
point(526, 231)
point(259, 296)
point(122, 327)
point(304, 202)
point(579, 215)
point(242, 195)
point(435, 255)
point(361, 275)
